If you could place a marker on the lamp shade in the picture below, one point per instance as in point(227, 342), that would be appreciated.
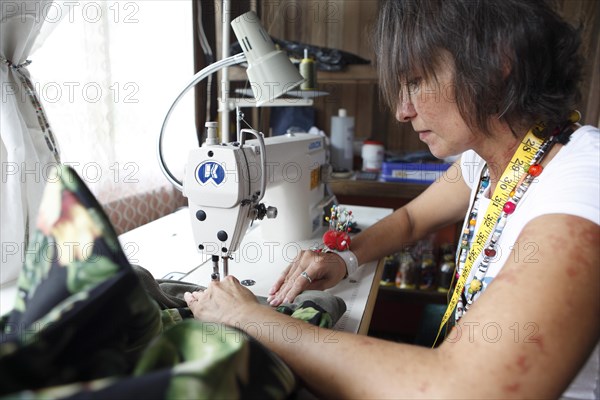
point(270, 71)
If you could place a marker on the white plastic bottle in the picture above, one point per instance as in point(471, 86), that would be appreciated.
point(342, 138)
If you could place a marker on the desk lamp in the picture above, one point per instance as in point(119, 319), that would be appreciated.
point(223, 199)
point(270, 72)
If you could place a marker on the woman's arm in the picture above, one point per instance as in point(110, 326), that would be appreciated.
point(526, 336)
point(449, 197)
point(537, 322)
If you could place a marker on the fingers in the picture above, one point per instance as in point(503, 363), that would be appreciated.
point(300, 281)
point(196, 295)
point(284, 282)
point(280, 281)
point(189, 298)
point(224, 301)
point(230, 280)
point(316, 271)
point(192, 299)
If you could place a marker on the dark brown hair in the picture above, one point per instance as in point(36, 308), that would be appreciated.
point(514, 59)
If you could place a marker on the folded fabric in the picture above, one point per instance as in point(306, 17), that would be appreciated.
point(315, 307)
point(166, 292)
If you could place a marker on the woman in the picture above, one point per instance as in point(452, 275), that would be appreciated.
point(495, 81)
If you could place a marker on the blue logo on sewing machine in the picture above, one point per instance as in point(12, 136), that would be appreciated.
point(210, 171)
point(314, 145)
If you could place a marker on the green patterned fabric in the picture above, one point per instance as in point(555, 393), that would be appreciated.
point(315, 307)
point(84, 326)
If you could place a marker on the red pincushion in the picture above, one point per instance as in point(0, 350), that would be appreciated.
point(336, 240)
point(330, 239)
point(343, 241)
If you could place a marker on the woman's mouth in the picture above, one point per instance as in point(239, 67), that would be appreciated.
point(423, 135)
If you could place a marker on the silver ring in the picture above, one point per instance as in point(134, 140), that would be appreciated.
point(305, 275)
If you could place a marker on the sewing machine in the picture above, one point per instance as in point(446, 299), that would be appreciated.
point(230, 186)
point(225, 183)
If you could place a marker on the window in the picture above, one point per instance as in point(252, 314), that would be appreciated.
point(106, 75)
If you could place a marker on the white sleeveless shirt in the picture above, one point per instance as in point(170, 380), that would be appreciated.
point(576, 168)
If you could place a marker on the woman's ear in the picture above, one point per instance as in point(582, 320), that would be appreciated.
point(506, 61)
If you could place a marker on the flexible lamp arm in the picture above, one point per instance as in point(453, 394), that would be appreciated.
point(202, 74)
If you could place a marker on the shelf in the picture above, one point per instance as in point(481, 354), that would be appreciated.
point(413, 295)
point(351, 74)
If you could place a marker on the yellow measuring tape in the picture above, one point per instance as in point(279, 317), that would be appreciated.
point(511, 176)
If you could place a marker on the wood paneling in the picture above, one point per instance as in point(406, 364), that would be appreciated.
point(587, 14)
point(336, 24)
point(339, 24)
point(345, 25)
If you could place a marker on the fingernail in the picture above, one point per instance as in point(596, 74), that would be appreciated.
point(269, 299)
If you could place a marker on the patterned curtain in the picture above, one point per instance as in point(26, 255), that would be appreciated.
point(27, 145)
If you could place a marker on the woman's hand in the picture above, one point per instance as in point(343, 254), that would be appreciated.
point(223, 301)
point(310, 270)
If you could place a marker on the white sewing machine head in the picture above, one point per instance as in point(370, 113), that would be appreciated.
point(225, 183)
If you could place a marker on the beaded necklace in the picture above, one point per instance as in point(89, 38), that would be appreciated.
point(533, 170)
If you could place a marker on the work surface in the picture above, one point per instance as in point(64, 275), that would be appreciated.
point(166, 248)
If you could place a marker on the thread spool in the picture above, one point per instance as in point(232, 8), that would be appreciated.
point(308, 72)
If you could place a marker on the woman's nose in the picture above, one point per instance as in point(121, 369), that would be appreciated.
point(405, 111)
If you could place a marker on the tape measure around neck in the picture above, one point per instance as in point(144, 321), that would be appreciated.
point(515, 169)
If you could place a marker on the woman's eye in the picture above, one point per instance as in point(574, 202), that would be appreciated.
point(413, 85)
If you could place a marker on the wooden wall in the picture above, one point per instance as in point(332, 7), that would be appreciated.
point(345, 25)
point(340, 24)
point(587, 13)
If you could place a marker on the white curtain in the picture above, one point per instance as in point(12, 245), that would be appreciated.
point(28, 147)
point(106, 77)
point(122, 63)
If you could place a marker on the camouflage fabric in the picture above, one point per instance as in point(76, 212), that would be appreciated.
point(84, 326)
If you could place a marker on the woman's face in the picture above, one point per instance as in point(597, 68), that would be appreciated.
point(430, 107)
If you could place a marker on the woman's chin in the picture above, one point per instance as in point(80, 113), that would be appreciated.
point(439, 152)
